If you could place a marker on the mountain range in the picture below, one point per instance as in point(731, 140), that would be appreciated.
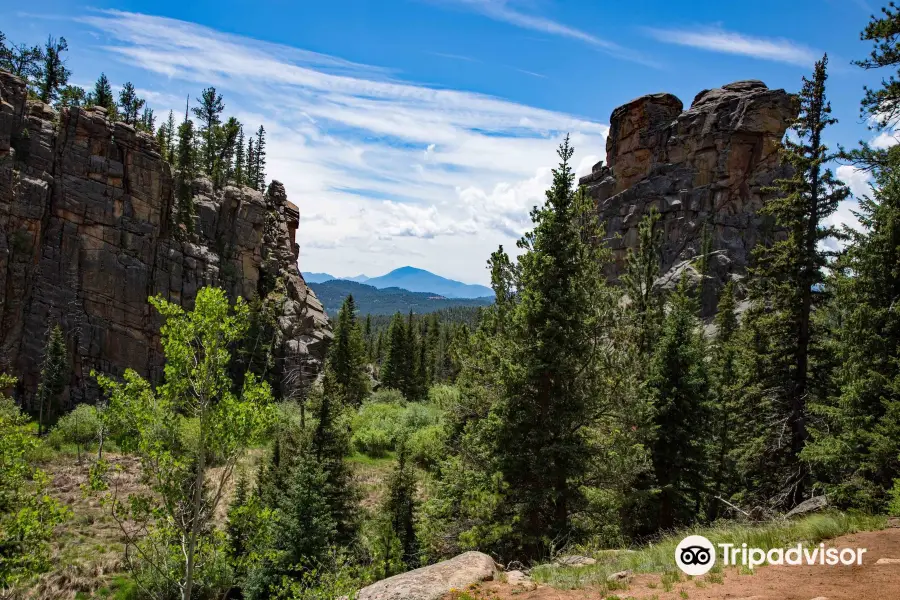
point(384, 301)
point(413, 280)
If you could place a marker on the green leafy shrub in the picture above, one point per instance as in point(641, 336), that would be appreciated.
point(80, 427)
point(386, 396)
point(426, 446)
point(376, 427)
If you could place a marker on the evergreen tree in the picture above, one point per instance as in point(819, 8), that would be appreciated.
point(21, 60)
point(71, 96)
point(641, 271)
point(102, 95)
point(240, 173)
point(209, 114)
point(679, 386)
point(250, 169)
point(148, 121)
point(53, 72)
point(331, 448)
point(130, 104)
point(552, 388)
point(54, 376)
point(259, 160)
point(302, 531)
point(400, 508)
point(347, 355)
point(854, 448)
point(394, 368)
point(725, 394)
point(170, 137)
point(785, 288)
point(187, 171)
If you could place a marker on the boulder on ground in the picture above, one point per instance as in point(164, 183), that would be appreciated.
point(575, 561)
point(812, 505)
point(434, 581)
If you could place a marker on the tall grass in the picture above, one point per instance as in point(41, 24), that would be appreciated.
point(659, 557)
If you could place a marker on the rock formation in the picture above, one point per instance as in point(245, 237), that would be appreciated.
point(434, 581)
point(86, 237)
point(706, 166)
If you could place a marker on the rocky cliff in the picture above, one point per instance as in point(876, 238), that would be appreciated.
point(86, 237)
point(707, 166)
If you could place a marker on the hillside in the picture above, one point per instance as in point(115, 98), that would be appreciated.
point(387, 301)
point(420, 280)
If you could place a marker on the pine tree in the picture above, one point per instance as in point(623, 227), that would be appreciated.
point(240, 173)
point(170, 137)
point(148, 121)
point(725, 394)
point(855, 433)
point(400, 508)
point(331, 448)
point(394, 368)
point(347, 355)
point(22, 61)
point(54, 376)
point(53, 74)
point(250, 169)
point(784, 290)
point(641, 271)
point(187, 170)
point(130, 104)
point(551, 386)
point(209, 114)
point(259, 160)
point(71, 96)
point(679, 386)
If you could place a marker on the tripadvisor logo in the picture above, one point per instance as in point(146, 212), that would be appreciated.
point(695, 555)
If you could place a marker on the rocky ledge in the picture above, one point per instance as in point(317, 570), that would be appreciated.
point(707, 166)
point(86, 237)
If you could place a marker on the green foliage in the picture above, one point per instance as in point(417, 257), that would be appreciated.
point(641, 271)
point(187, 170)
point(781, 337)
point(678, 383)
point(130, 104)
point(54, 376)
point(28, 515)
point(53, 72)
point(147, 421)
point(400, 507)
point(379, 427)
point(347, 356)
point(80, 427)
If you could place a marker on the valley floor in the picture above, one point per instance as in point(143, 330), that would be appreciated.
point(869, 581)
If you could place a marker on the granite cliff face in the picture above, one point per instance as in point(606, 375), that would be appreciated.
point(86, 238)
point(704, 166)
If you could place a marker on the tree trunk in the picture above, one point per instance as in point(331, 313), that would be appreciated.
point(196, 504)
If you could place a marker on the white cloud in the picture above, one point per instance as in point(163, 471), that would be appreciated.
point(730, 42)
point(499, 10)
point(382, 170)
point(856, 179)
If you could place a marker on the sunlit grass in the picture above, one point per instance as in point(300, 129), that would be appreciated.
point(659, 557)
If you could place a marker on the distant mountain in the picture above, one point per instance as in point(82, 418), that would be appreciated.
point(387, 301)
point(317, 277)
point(419, 280)
point(358, 278)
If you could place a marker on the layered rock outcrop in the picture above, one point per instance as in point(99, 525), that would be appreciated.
point(707, 166)
point(86, 236)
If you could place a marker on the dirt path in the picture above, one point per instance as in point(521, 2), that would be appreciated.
point(869, 581)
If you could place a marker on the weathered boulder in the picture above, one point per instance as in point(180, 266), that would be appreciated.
point(704, 167)
point(434, 581)
point(87, 235)
point(814, 504)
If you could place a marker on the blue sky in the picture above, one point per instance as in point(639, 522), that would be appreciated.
point(422, 131)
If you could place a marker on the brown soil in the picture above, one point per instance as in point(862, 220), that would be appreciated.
point(865, 582)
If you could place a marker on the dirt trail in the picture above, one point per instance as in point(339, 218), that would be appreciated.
point(869, 581)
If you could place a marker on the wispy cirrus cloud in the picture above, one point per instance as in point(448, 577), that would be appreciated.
point(730, 42)
point(382, 169)
point(501, 10)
